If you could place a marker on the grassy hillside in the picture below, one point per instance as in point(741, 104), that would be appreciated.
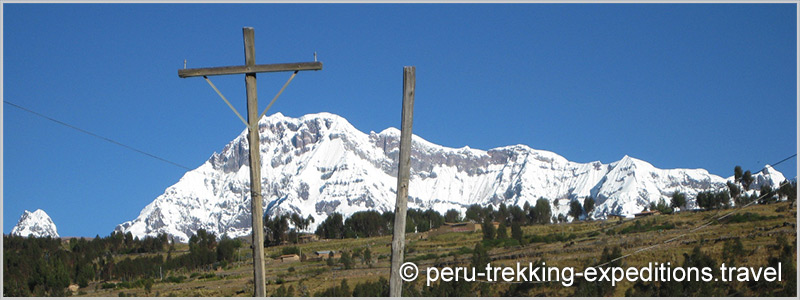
point(750, 237)
point(754, 236)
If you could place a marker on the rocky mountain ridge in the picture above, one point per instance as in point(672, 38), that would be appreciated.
point(319, 164)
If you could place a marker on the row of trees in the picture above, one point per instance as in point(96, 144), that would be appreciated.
point(736, 192)
point(277, 230)
point(576, 209)
point(46, 266)
point(372, 223)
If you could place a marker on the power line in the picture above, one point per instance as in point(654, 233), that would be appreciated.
point(643, 249)
point(99, 136)
point(713, 219)
point(778, 163)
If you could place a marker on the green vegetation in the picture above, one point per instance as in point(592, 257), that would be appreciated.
point(661, 206)
point(46, 267)
point(747, 217)
point(371, 224)
point(650, 225)
point(575, 209)
point(678, 200)
point(753, 236)
point(551, 238)
point(588, 205)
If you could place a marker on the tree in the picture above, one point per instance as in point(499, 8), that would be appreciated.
point(737, 174)
point(678, 200)
point(712, 200)
point(411, 226)
point(378, 288)
point(300, 223)
point(502, 231)
point(766, 194)
point(480, 258)
point(201, 248)
point(588, 205)
point(367, 257)
point(452, 216)
point(332, 227)
point(788, 190)
point(226, 248)
point(370, 223)
point(705, 200)
point(661, 206)
point(575, 209)
point(747, 180)
point(735, 192)
point(488, 229)
point(148, 285)
point(516, 232)
point(732, 250)
point(342, 290)
point(473, 213)
point(433, 219)
point(561, 218)
point(517, 214)
point(722, 199)
point(276, 229)
point(541, 213)
point(346, 260)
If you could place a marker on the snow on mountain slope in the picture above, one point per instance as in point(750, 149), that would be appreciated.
point(319, 164)
point(36, 223)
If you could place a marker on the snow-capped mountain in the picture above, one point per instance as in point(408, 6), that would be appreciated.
point(36, 223)
point(318, 164)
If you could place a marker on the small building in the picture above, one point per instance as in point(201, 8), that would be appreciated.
point(647, 213)
point(289, 258)
point(307, 238)
point(614, 217)
point(459, 227)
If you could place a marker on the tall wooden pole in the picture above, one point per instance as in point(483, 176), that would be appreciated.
point(255, 165)
point(249, 70)
point(403, 172)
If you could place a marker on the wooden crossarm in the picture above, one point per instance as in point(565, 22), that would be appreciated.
point(284, 67)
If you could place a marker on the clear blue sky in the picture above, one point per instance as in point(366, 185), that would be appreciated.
point(678, 85)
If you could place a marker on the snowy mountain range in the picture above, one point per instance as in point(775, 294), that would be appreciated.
point(36, 223)
point(319, 164)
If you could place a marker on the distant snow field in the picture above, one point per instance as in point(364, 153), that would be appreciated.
point(319, 164)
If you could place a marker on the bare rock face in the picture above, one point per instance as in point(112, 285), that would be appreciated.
point(320, 164)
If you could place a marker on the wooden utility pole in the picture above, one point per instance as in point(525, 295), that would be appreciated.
point(403, 172)
point(250, 69)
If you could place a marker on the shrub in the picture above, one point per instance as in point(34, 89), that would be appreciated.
point(175, 279)
point(108, 285)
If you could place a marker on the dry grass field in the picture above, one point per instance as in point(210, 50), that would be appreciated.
point(662, 238)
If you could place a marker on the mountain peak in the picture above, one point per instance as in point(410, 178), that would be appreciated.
point(36, 223)
point(319, 164)
point(390, 131)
